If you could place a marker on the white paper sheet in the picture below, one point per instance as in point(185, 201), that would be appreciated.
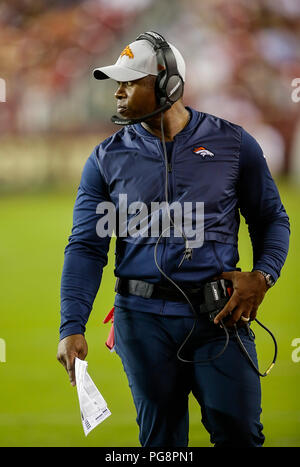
point(93, 407)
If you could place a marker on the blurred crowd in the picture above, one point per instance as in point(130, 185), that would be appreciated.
point(45, 47)
point(241, 59)
point(246, 55)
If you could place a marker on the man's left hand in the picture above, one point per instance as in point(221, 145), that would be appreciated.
point(249, 289)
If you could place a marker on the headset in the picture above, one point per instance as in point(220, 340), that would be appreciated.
point(169, 84)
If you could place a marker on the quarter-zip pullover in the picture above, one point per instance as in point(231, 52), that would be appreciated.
point(213, 161)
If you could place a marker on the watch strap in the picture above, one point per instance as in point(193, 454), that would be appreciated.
point(268, 278)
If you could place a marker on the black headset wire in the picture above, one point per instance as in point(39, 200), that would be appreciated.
point(243, 348)
point(186, 248)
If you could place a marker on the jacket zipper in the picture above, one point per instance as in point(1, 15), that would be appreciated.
point(170, 193)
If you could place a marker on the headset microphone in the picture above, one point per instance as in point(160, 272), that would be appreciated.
point(131, 121)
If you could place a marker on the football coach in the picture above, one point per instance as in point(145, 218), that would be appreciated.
point(182, 313)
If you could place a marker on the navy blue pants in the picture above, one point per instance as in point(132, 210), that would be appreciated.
point(227, 389)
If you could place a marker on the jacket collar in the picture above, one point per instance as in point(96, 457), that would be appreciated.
point(182, 135)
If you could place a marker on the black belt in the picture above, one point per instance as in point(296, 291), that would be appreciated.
point(162, 292)
point(210, 297)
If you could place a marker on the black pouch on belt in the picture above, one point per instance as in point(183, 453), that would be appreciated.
point(216, 294)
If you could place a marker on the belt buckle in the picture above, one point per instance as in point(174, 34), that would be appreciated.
point(140, 288)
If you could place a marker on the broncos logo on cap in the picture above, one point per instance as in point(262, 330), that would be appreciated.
point(127, 52)
point(203, 152)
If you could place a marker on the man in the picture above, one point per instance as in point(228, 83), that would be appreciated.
point(158, 335)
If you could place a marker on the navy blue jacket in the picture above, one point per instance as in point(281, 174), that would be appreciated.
point(232, 178)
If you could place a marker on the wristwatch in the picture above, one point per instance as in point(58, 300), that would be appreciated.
point(268, 278)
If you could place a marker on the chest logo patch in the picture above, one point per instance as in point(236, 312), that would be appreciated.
point(203, 152)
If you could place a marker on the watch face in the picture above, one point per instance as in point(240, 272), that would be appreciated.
point(269, 279)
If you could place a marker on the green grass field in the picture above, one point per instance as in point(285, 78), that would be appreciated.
point(38, 405)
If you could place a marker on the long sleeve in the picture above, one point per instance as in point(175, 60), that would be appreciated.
point(260, 204)
point(85, 253)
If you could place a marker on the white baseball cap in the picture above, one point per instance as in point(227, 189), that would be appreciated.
point(136, 61)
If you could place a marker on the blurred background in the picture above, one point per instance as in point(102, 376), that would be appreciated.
point(243, 64)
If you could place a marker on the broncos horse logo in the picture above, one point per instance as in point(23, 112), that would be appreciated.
point(203, 152)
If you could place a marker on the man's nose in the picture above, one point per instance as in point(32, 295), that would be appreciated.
point(120, 92)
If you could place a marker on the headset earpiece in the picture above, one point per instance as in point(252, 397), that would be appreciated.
point(171, 91)
point(169, 84)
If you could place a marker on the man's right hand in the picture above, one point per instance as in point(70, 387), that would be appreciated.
point(69, 348)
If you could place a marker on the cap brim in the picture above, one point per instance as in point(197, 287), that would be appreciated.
point(117, 73)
